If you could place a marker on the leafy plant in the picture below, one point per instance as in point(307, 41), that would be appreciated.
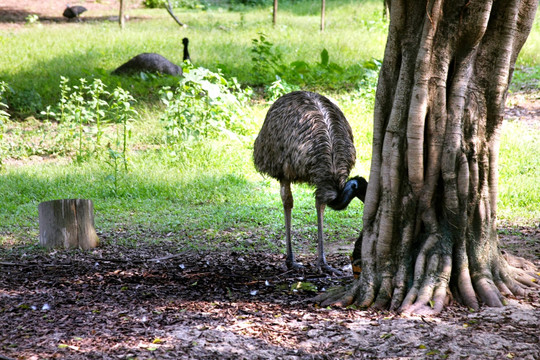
point(204, 104)
point(265, 57)
point(187, 4)
point(124, 114)
point(23, 102)
point(4, 117)
point(32, 19)
point(279, 88)
point(96, 91)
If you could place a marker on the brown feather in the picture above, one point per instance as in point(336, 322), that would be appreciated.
point(306, 138)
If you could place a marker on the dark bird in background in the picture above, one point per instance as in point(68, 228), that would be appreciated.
point(305, 138)
point(72, 12)
point(152, 62)
point(185, 42)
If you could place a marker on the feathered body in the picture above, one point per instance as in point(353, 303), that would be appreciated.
point(306, 138)
point(148, 62)
point(152, 62)
point(71, 12)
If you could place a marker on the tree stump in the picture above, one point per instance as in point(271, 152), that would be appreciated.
point(67, 223)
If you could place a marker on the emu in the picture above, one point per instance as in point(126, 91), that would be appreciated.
point(305, 138)
point(152, 62)
point(72, 12)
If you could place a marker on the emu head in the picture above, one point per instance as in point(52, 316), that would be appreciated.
point(354, 187)
point(359, 187)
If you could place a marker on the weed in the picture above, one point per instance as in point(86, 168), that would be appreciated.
point(4, 117)
point(265, 57)
point(124, 114)
point(279, 88)
point(32, 19)
point(97, 105)
point(205, 104)
point(23, 102)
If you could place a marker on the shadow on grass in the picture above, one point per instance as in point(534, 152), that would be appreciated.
point(161, 204)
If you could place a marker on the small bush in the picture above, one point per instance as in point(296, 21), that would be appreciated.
point(266, 59)
point(251, 2)
point(23, 102)
point(4, 117)
point(186, 4)
point(204, 104)
point(279, 88)
point(268, 65)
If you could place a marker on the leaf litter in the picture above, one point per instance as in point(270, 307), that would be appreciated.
point(154, 301)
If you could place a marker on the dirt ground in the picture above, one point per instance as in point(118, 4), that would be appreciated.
point(156, 301)
point(14, 13)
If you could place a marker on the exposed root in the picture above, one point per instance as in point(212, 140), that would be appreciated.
point(430, 291)
point(341, 297)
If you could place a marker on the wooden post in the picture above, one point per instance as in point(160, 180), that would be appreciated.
point(121, 19)
point(323, 11)
point(274, 13)
point(67, 223)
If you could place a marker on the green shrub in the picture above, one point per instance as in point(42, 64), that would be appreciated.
point(4, 117)
point(279, 88)
point(204, 104)
point(268, 65)
point(24, 101)
point(266, 59)
point(252, 2)
point(186, 4)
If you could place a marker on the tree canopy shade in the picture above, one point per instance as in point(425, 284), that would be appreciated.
point(430, 212)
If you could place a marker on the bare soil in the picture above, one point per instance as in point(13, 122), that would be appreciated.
point(14, 13)
point(156, 301)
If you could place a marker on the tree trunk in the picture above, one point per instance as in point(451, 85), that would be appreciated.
point(121, 19)
point(323, 11)
point(274, 13)
point(430, 211)
point(68, 224)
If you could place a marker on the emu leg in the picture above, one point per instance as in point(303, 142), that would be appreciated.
point(321, 258)
point(287, 199)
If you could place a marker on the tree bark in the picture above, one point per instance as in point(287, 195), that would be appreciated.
point(121, 19)
point(430, 211)
point(274, 13)
point(323, 13)
point(67, 223)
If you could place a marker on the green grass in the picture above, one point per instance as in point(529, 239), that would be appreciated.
point(212, 197)
point(519, 174)
point(33, 59)
point(213, 189)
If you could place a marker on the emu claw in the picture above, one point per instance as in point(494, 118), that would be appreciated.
point(293, 265)
point(327, 269)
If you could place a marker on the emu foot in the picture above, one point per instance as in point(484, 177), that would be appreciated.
point(327, 269)
point(293, 265)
